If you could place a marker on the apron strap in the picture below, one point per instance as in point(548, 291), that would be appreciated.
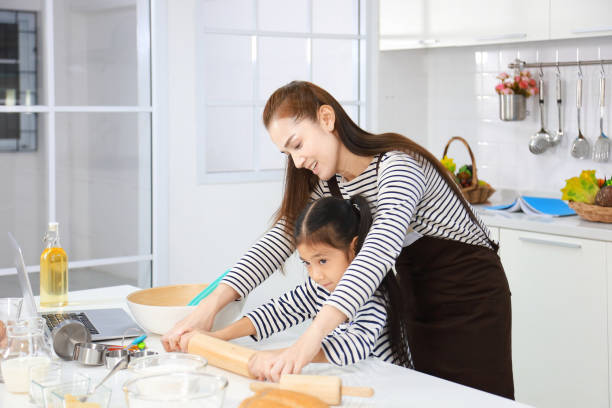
point(333, 187)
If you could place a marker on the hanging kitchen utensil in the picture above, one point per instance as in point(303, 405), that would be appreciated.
point(555, 137)
point(601, 149)
point(581, 148)
point(539, 141)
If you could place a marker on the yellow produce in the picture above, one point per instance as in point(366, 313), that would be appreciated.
point(582, 189)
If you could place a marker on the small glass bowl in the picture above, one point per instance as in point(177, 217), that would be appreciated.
point(176, 390)
point(60, 395)
point(167, 363)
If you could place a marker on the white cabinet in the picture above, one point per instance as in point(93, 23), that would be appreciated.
point(586, 18)
point(419, 23)
point(559, 318)
point(494, 233)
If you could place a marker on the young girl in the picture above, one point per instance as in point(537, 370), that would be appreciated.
point(328, 234)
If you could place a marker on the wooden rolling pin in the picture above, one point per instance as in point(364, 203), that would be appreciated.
point(222, 354)
point(327, 388)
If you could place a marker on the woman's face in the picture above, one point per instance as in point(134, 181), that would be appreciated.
point(325, 264)
point(311, 145)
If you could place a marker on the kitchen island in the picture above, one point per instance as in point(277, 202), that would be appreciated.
point(394, 386)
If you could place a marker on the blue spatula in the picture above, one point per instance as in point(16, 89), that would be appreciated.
point(207, 290)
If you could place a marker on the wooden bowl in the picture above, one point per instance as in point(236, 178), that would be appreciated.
point(158, 309)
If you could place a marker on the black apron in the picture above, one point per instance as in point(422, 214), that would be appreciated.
point(459, 310)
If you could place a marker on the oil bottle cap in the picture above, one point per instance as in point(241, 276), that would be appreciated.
point(53, 226)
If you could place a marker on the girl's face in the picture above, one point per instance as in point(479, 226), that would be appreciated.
point(325, 264)
point(311, 145)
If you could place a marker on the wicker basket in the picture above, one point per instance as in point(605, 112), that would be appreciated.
point(475, 194)
point(592, 212)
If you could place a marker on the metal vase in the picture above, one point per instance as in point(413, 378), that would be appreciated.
point(512, 107)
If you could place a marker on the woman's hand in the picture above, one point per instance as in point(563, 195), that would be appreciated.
point(185, 338)
point(202, 318)
point(199, 319)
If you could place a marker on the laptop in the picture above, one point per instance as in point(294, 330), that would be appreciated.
point(103, 324)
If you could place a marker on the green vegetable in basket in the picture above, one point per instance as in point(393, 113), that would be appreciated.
point(582, 189)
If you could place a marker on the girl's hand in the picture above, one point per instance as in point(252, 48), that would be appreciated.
point(272, 365)
point(261, 362)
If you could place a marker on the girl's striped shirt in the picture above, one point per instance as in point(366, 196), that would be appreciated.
point(408, 199)
point(364, 335)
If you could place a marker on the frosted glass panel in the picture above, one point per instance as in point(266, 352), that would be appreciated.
point(102, 52)
point(281, 60)
point(103, 184)
point(228, 69)
point(233, 14)
point(334, 67)
point(229, 139)
point(23, 199)
point(335, 16)
point(270, 158)
point(284, 15)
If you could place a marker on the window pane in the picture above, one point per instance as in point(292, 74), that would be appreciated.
point(104, 184)
point(227, 67)
point(270, 158)
point(229, 139)
point(353, 112)
point(20, 51)
point(334, 67)
point(23, 201)
point(283, 15)
point(87, 278)
point(335, 16)
point(102, 52)
point(232, 14)
point(281, 60)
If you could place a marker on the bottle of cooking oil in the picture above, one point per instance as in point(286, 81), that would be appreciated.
point(53, 270)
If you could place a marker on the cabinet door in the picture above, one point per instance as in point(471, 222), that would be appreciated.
point(433, 23)
point(587, 18)
point(559, 318)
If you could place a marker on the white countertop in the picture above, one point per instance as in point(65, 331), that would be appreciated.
point(571, 226)
point(394, 386)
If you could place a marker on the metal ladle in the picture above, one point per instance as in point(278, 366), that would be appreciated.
point(581, 148)
point(539, 141)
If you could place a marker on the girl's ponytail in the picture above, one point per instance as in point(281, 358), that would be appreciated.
point(360, 204)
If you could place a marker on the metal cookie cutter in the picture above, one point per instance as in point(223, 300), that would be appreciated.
point(90, 353)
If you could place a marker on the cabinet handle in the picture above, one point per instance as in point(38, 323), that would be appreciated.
point(592, 30)
point(513, 36)
point(549, 242)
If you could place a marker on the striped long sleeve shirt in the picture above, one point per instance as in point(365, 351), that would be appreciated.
point(408, 199)
point(364, 335)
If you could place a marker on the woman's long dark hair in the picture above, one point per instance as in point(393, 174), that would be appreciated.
point(336, 222)
point(301, 100)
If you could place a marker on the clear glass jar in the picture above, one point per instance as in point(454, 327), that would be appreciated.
point(25, 349)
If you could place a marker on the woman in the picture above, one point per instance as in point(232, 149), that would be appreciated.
point(455, 286)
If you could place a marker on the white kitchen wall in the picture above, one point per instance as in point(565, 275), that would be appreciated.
point(210, 225)
point(431, 95)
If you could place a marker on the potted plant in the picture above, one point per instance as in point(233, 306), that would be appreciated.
point(513, 92)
